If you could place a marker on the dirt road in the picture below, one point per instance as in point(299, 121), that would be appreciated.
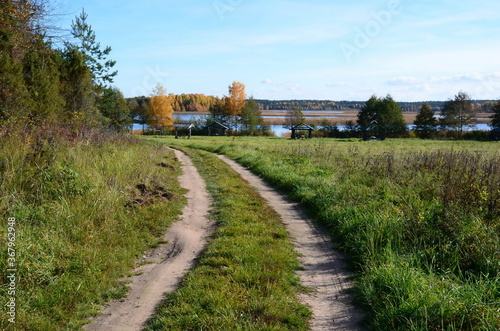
point(324, 270)
point(185, 240)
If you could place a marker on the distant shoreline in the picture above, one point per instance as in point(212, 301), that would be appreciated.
point(332, 116)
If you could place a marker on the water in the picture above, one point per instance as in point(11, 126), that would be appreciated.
point(278, 128)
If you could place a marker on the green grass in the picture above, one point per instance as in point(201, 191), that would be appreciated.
point(419, 219)
point(81, 221)
point(245, 280)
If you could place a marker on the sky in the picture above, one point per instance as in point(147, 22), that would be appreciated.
point(414, 50)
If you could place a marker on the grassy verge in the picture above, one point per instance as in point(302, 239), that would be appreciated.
point(245, 279)
point(420, 219)
point(85, 209)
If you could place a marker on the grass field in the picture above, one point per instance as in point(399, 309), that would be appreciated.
point(245, 280)
point(420, 220)
point(85, 210)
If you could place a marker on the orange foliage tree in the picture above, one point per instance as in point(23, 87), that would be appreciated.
point(236, 100)
point(160, 105)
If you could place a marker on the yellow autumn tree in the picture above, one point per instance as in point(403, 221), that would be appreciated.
point(236, 100)
point(161, 108)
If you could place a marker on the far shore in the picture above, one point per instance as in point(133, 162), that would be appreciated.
point(341, 117)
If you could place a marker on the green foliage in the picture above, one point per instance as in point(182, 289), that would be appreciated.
point(495, 118)
point(381, 117)
point(15, 101)
point(458, 114)
point(78, 89)
point(425, 123)
point(115, 109)
point(95, 58)
point(251, 120)
point(219, 111)
point(42, 85)
point(42, 80)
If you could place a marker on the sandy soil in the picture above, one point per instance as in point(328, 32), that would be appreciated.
point(185, 238)
point(324, 268)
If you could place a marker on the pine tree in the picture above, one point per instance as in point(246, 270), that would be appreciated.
point(425, 123)
point(95, 57)
point(77, 90)
point(41, 73)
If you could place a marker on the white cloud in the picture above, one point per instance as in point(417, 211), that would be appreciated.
point(402, 81)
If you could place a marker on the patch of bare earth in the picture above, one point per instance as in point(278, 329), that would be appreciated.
point(323, 267)
point(185, 239)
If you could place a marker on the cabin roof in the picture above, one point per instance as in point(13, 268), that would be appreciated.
point(183, 126)
point(302, 127)
point(216, 124)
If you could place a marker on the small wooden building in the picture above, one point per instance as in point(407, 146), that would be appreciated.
point(183, 128)
point(301, 127)
point(216, 129)
point(374, 131)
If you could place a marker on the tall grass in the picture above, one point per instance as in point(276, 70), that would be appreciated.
point(421, 221)
point(78, 227)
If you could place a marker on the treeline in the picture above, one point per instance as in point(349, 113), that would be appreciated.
point(41, 84)
point(381, 118)
point(480, 106)
point(202, 103)
point(308, 104)
point(183, 102)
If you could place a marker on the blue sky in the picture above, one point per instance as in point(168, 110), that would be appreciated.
point(317, 49)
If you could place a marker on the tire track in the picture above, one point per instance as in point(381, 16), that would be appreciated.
point(185, 239)
point(324, 269)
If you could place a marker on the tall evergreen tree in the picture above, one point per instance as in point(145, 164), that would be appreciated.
point(425, 123)
point(95, 57)
point(41, 74)
point(77, 89)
